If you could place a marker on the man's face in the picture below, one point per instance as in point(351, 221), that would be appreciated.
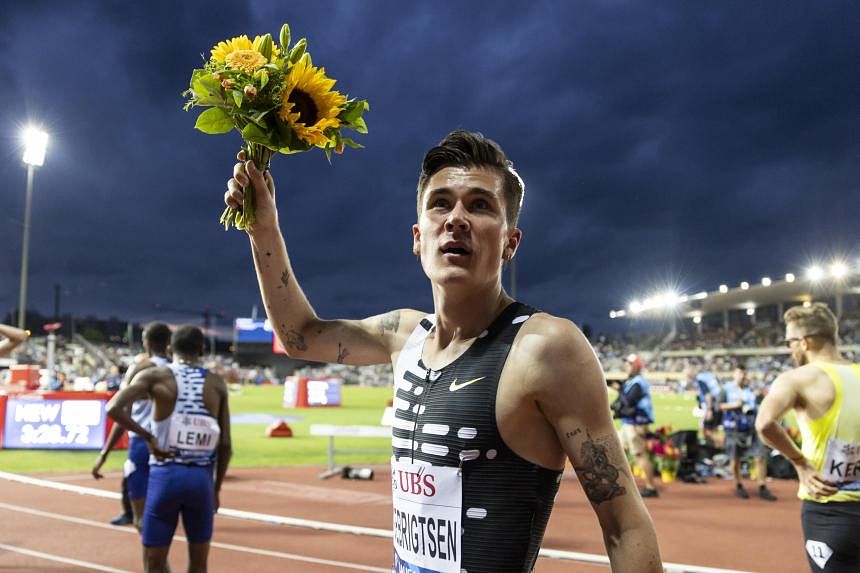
point(462, 235)
point(797, 344)
point(740, 378)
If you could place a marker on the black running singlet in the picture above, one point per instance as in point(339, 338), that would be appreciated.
point(447, 418)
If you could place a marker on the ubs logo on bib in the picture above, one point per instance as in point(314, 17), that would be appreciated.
point(416, 483)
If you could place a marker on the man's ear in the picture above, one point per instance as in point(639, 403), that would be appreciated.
point(416, 240)
point(512, 244)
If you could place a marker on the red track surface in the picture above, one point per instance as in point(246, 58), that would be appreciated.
point(703, 525)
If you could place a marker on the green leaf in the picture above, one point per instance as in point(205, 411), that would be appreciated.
point(352, 111)
point(285, 37)
point(214, 120)
point(264, 78)
point(298, 50)
point(238, 96)
point(255, 134)
point(350, 143)
point(206, 89)
point(359, 125)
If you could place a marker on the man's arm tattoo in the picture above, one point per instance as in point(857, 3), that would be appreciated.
point(342, 353)
point(285, 277)
point(295, 340)
point(599, 477)
point(390, 322)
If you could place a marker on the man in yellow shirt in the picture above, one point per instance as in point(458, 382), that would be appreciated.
point(824, 392)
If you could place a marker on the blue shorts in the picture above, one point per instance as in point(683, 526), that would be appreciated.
point(137, 478)
point(176, 489)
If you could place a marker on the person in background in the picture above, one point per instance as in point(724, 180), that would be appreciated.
point(636, 411)
point(739, 408)
point(709, 391)
point(189, 439)
point(13, 337)
point(156, 343)
point(824, 393)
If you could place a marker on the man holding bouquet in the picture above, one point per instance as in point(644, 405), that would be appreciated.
point(491, 395)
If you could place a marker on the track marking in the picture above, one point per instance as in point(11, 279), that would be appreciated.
point(225, 546)
point(338, 527)
point(57, 558)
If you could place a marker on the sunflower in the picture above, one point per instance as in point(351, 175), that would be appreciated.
point(241, 43)
point(308, 105)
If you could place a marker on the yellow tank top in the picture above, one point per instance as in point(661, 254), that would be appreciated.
point(832, 442)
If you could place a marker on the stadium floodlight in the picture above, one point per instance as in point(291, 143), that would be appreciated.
point(634, 307)
point(750, 311)
point(789, 277)
point(745, 285)
point(620, 313)
point(815, 273)
point(697, 319)
point(838, 270)
point(807, 304)
point(724, 289)
point(611, 314)
point(35, 144)
point(765, 281)
point(700, 295)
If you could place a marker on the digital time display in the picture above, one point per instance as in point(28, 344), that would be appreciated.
point(54, 424)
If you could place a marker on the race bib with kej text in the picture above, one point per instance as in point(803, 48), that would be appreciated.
point(842, 464)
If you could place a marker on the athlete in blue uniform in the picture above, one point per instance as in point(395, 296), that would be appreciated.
point(491, 396)
point(189, 438)
point(156, 340)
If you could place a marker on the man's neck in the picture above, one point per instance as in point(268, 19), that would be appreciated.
point(464, 315)
point(825, 354)
point(188, 360)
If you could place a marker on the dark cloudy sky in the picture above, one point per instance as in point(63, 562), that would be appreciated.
point(690, 143)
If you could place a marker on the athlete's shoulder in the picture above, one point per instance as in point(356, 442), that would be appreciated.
point(550, 337)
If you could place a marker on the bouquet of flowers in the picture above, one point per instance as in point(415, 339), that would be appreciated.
point(275, 97)
point(669, 461)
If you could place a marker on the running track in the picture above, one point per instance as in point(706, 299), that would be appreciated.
point(45, 529)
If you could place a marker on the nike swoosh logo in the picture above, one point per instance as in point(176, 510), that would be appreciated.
point(454, 386)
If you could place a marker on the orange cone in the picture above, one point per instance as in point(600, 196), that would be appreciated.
point(279, 429)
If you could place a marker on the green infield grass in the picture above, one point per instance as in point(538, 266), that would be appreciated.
point(251, 447)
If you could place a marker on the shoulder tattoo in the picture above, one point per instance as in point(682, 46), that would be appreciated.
point(389, 322)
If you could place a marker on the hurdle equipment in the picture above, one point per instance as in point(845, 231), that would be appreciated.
point(332, 431)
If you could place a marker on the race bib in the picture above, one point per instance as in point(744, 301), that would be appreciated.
point(842, 464)
point(427, 504)
point(193, 433)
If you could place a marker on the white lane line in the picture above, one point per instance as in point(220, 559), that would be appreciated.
point(226, 546)
point(342, 528)
point(58, 559)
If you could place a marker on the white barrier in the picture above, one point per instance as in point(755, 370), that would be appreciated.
point(333, 431)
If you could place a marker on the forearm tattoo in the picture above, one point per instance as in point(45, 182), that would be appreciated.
point(599, 477)
point(342, 353)
point(390, 322)
point(285, 277)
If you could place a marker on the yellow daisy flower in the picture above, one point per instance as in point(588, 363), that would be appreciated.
point(309, 105)
point(239, 43)
point(248, 61)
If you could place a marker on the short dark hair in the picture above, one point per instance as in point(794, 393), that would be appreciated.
point(188, 340)
point(157, 336)
point(471, 149)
